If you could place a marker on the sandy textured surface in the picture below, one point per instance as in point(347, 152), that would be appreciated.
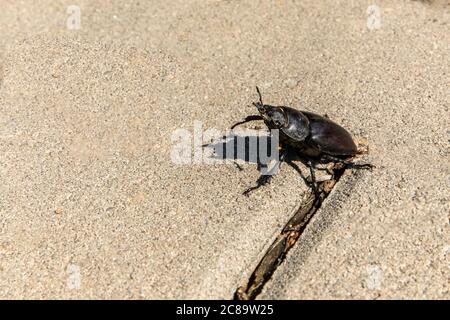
point(386, 234)
point(92, 206)
point(89, 181)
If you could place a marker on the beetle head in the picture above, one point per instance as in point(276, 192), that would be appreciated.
point(274, 117)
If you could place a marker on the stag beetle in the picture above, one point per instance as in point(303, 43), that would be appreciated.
point(316, 138)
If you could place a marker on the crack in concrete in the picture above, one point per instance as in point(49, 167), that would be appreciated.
point(288, 237)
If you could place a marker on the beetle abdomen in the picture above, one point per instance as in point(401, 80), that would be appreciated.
point(330, 137)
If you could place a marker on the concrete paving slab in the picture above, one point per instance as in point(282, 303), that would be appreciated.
point(94, 208)
point(92, 205)
point(386, 234)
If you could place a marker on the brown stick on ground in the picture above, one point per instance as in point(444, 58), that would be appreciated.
point(288, 237)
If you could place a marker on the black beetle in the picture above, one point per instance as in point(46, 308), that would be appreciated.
point(316, 138)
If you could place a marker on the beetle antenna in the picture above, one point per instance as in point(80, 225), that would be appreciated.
point(260, 96)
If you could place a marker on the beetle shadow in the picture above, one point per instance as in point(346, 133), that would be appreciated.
point(237, 148)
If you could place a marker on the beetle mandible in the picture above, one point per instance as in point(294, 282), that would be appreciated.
point(316, 138)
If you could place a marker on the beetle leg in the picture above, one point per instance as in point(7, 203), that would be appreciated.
point(262, 180)
point(313, 177)
point(349, 163)
point(238, 166)
point(265, 179)
point(297, 168)
point(247, 119)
